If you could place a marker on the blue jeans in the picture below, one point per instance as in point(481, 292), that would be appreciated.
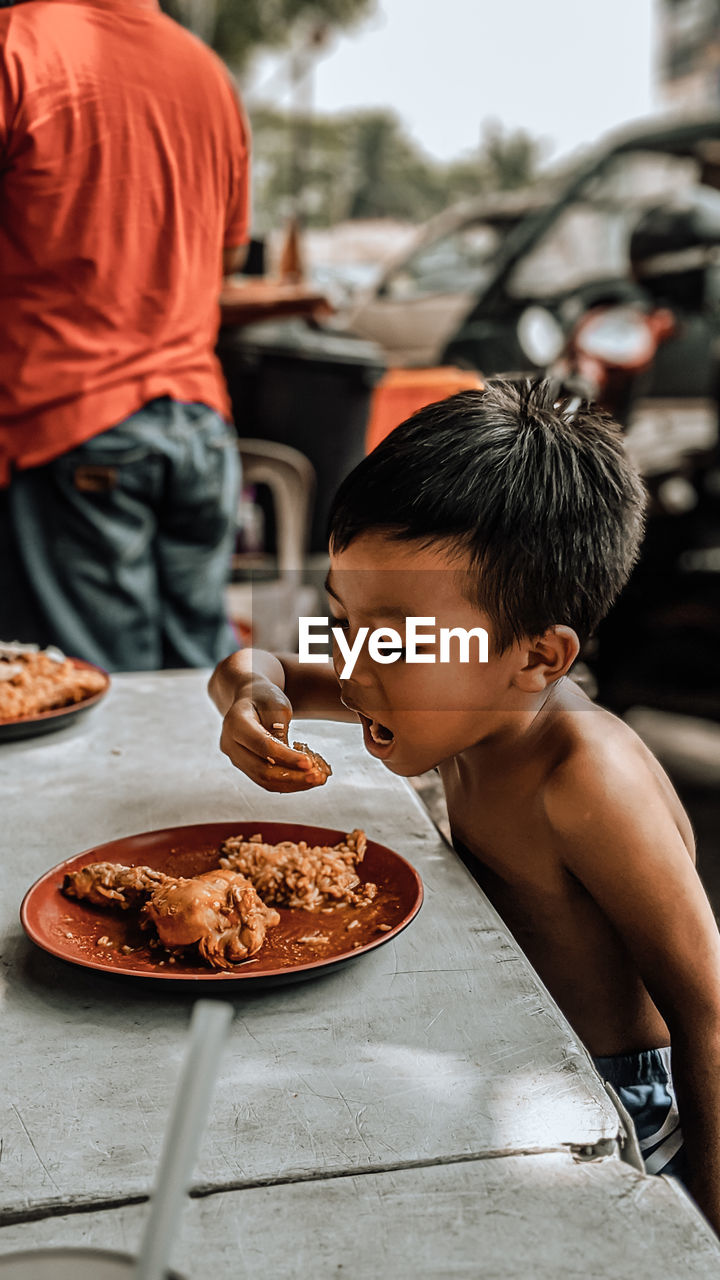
point(124, 543)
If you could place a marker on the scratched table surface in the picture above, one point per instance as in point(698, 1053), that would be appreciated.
point(441, 1046)
point(531, 1217)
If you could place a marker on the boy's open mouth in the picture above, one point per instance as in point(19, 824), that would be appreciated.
point(379, 740)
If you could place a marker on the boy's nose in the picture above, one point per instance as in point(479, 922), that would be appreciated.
point(351, 693)
point(360, 696)
point(362, 674)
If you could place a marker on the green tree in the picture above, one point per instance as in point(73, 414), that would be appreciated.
point(328, 171)
point(364, 165)
point(236, 29)
point(392, 176)
point(357, 165)
point(510, 159)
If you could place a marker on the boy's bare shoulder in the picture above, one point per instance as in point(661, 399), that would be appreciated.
point(602, 775)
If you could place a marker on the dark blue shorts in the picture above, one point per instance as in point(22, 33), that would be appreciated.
point(643, 1082)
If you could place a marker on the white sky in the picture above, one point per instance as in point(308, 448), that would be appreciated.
point(566, 70)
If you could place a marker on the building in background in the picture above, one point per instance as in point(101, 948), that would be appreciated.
point(690, 53)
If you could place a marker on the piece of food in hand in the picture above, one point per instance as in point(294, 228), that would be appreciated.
point(110, 884)
point(300, 875)
point(219, 910)
point(319, 765)
point(280, 731)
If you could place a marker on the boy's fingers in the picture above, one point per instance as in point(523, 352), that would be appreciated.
point(273, 777)
point(280, 753)
point(244, 728)
point(279, 730)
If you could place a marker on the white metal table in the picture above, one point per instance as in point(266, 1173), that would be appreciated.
point(531, 1217)
point(441, 1048)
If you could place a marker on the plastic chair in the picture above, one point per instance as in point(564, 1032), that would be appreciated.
point(290, 477)
point(265, 613)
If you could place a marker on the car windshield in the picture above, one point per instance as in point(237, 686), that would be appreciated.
point(458, 262)
point(590, 238)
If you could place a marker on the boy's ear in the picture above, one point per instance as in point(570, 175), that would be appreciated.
point(546, 658)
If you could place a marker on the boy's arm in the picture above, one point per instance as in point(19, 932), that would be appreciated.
point(255, 692)
point(312, 690)
point(617, 836)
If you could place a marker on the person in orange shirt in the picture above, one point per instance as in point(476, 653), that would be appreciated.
point(124, 179)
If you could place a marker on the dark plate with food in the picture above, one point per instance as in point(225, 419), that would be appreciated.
point(257, 902)
point(43, 690)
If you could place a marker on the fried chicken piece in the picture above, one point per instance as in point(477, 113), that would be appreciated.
point(109, 884)
point(218, 910)
point(321, 766)
point(298, 875)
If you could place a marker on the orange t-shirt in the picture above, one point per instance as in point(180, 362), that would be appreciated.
point(123, 175)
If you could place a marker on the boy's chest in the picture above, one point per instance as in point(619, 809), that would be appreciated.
point(507, 837)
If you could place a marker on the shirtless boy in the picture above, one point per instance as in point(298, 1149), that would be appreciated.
point(505, 511)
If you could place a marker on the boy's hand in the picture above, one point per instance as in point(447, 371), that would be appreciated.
point(254, 727)
point(248, 691)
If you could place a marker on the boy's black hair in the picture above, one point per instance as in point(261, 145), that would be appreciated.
point(543, 497)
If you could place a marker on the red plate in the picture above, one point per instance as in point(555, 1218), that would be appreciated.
point(59, 717)
point(303, 945)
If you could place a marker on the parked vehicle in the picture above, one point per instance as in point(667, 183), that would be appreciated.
point(422, 297)
point(659, 645)
point(574, 255)
point(635, 325)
